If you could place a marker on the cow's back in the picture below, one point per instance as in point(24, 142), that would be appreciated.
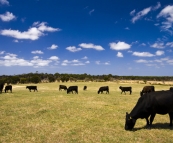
point(160, 102)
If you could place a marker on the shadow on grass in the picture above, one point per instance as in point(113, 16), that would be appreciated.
point(155, 126)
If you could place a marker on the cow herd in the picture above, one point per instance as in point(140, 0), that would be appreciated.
point(149, 104)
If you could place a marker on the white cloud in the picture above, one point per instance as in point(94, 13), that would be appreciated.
point(33, 33)
point(53, 47)
point(97, 62)
point(72, 63)
point(141, 14)
point(7, 16)
point(107, 63)
point(16, 41)
point(37, 52)
point(54, 58)
point(158, 45)
point(73, 49)
point(5, 2)
point(40, 62)
point(2, 52)
point(159, 53)
point(127, 28)
point(84, 58)
point(142, 54)
point(119, 54)
point(91, 46)
point(87, 62)
point(119, 46)
point(141, 61)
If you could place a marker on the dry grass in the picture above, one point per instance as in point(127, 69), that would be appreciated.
point(52, 116)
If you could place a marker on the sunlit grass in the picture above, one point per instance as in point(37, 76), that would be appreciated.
point(53, 116)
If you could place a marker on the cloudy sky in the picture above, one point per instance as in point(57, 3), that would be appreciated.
point(122, 37)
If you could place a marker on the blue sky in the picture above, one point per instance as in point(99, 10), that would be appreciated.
point(98, 37)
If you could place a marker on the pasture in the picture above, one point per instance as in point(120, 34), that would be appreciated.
point(53, 116)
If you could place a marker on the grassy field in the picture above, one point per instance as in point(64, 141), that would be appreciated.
point(52, 116)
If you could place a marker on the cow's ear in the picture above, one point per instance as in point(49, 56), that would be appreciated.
point(126, 113)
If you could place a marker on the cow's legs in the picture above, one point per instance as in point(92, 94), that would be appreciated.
point(171, 118)
point(147, 121)
point(152, 118)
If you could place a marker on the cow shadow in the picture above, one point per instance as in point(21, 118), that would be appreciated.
point(159, 126)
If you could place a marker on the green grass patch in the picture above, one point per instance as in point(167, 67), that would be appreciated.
point(53, 116)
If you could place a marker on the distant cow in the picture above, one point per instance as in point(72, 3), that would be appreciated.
point(171, 89)
point(62, 87)
point(32, 88)
point(124, 89)
point(159, 102)
point(72, 88)
point(85, 87)
point(8, 87)
point(147, 89)
point(103, 88)
point(1, 87)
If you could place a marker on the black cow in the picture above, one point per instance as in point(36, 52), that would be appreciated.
point(62, 87)
point(72, 88)
point(85, 87)
point(159, 102)
point(103, 88)
point(171, 89)
point(147, 89)
point(8, 87)
point(124, 89)
point(32, 88)
point(1, 87)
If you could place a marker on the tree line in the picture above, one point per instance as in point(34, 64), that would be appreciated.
point(64, 77)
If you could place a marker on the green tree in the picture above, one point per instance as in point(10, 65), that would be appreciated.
point(35, 79)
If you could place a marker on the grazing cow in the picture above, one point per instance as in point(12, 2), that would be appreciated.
point(8, 87)
point(32, 88)
point(159, 102)
point(85, 87)
point(1, 87)
point(103, 88)
point(171, 89)
point(147, 89)
point(72, 88)
point(124, 89)
point(62, 87)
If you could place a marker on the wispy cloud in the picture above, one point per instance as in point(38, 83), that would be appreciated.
point(73, 49)
point(143, 54)
point(167, 13)
point(91, 46)
point(159, 45)
point(4, 2)
point(33, 33)
point(7, 16)
point(143, 12)
point(119, 46)
point(90, 12)
point(37, 52)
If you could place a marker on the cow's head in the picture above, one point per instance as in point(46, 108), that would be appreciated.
point(129, 122)
point(120, 87)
